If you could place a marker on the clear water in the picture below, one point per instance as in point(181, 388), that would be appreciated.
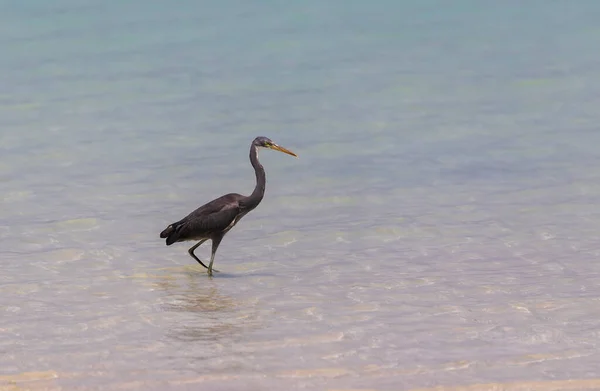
point(440, 227)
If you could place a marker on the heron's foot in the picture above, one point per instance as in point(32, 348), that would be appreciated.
point(204, 266)
point(210, 272)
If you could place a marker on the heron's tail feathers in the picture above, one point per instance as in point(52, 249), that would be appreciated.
point(165, 233)
point(171, 233)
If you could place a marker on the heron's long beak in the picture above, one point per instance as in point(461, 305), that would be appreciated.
point(282, 149)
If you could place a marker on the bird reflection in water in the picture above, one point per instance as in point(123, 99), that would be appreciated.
point(202, 313)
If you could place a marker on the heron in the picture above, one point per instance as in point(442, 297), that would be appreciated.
point(215, 218)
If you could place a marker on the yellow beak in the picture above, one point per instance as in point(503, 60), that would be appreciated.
point(282, 149)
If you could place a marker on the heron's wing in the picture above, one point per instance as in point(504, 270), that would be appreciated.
point(215, 216)
point(227, 201)
point(207, 223)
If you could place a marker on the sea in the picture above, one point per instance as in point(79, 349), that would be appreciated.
point(439, 230)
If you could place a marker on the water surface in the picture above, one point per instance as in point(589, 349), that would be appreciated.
point(439, 229)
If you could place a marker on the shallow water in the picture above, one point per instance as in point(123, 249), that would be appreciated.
point(440, 227)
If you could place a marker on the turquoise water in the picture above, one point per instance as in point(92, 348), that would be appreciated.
point(440, 227)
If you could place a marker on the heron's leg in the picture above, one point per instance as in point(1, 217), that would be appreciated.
point(191, 252)
point(215, 245)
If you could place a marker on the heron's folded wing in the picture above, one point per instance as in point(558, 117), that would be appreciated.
point(207, 223)
point(226, 201)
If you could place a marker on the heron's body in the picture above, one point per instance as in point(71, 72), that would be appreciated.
point(214, 219)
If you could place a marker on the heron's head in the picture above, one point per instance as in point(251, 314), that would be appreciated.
point(265, 142)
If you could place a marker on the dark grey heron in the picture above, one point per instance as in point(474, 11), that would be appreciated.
point(214, 219)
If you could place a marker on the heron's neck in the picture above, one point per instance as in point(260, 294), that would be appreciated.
point(261, 179)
